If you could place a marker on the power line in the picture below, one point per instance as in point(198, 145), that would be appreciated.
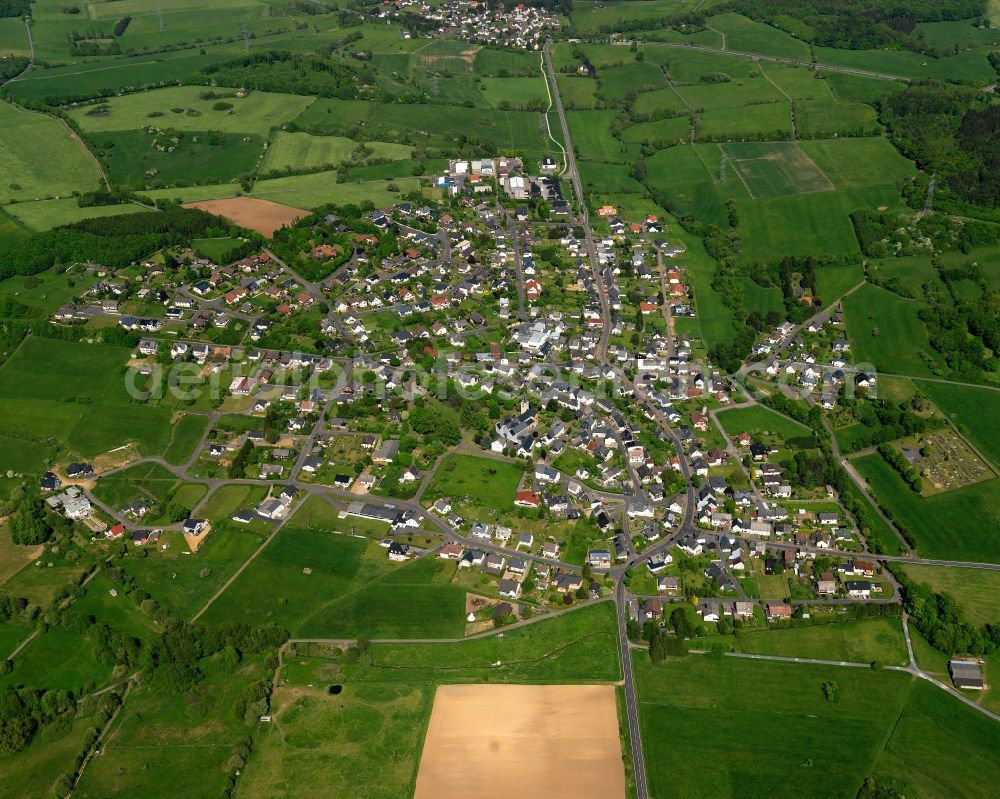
point(929, 202)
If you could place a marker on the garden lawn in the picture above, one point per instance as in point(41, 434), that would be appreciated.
point(758, 419)
point(486, 482)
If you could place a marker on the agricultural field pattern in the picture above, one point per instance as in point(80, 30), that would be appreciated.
point(567, 398)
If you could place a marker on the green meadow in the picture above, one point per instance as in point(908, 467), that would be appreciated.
point(889, 725)
point(962, 524)
point(321, 584)
point(39, 158)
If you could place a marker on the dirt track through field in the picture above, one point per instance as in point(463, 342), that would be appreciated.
point(263, 216)
point(529, 741)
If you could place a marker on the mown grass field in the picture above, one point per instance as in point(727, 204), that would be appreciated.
point(776, 169)
point(580, 646)
point(303, 151)
point(616, 82)
point(577, 92)
point(182, 108)
point(518, 92)
point(773, 120)
point(756, 37)
point(79, 398)
point(963, 524)
point(674, 130)
point(860, 641)
point(352, 590)
point(660, 100)
point(39, 159)
point(968, 65)
point(974, 412)
point(731, 94)
point(885, 331)
point(591, 134)
point(974, 590)
point(758, 419)
point(186, 434)
point(820, 118)
point(47, 214)
point(321, 188)
point(487, 483)
point(888, 724)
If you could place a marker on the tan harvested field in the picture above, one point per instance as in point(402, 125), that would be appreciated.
point(263, 216)
point(532, 741)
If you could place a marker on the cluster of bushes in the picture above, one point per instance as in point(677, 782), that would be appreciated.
point(941, 621)
point(898, 461)
point(283, 71)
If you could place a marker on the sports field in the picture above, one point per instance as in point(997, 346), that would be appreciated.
point(776, 169)
point(40, 157)
point(560, 740)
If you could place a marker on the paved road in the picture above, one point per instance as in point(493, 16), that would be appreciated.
point(601, 353)
point(584, 220)
point(631, 705)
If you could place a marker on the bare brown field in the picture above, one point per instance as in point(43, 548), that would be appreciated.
point(263, 216)
point(535, 741)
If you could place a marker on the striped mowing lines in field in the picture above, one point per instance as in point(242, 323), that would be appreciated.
point(775, 169)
